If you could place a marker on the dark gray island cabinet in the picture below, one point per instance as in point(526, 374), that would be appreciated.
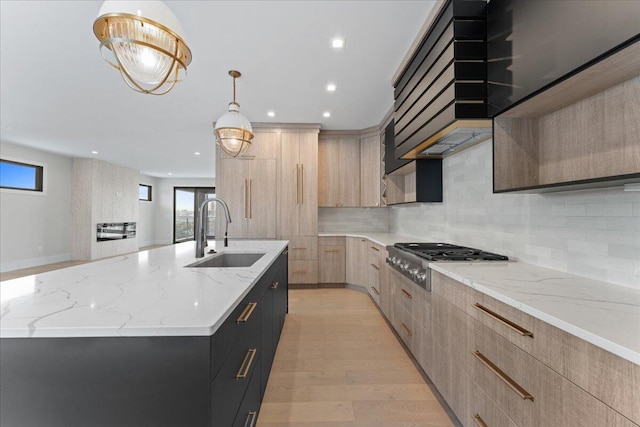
point(216, 380)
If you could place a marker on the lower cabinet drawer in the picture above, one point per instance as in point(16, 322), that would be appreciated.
point(303, 247)
point(303, 271)
point(230, 385)
point(481, 411)
point(247, 415)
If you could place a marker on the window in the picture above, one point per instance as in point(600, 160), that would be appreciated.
point(144, 193)
point(16, 175)
point(186, 201)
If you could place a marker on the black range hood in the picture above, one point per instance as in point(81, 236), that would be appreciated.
point(441, 96)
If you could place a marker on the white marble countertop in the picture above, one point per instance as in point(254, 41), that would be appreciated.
point(603, 314)
point(147, 293)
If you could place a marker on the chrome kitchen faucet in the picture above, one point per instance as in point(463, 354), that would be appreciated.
point(201, 235)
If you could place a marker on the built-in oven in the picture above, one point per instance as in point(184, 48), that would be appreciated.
point(115, 231)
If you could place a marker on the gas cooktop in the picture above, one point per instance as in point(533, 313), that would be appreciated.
point(448, 252)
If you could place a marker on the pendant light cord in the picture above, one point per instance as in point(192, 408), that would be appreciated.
point(234, 90)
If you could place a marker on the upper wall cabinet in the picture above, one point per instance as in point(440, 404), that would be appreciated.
point(338, 171)
point(440, 97)
point(532, 43)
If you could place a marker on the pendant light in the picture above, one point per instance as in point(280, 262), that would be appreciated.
point(232, 130)
point(144, 41)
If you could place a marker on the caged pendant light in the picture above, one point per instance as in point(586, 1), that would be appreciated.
point(144, 41)
point(232, 130)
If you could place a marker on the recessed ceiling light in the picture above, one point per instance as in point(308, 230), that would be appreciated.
point(197, 153)
point(337, 43)
point(271, 113)
point(94, 152)
point(326, 114)
point(169, 173)
point(331, 87)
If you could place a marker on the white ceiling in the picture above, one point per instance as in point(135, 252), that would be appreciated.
point(57, 93)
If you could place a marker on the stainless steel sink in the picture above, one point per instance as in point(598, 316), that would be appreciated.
point(229, 259)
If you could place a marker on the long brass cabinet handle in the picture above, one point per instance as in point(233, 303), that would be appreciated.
point(524, 394)
point(275, 285)
point(252, 416)
point(375, 290)
point(477, 420)
point(297, 184)
point(332, 250)
point(406, 329)
point(247, 312)
point(300, 248)
point(375, 249)
point(375, 266)
point(406, 294)
point(250, 197)
point(302, 184)
point(299, 271)
point(508, 323)
point(244, 201)
point(246, 363)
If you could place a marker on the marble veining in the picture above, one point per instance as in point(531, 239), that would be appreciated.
point(603, 314)
point(148, 293)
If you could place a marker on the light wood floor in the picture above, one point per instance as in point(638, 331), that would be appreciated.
point(339, 364)
point(14, 274)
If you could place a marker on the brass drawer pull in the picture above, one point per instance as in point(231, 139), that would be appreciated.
point(251, 419)
point(407, 294)
point(374, 248)
point(275, 285)
point(375, 266)
point(300, 272)
point(246, 363)
point(477, 420)
point(406, 329)
point(375, 290)
point(332, 250)
point(247, 312)
point(504, 377)
point(299, 249)
point(508, 323)
point(285, 252)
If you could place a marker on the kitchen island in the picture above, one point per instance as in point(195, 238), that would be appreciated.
point(142, 340)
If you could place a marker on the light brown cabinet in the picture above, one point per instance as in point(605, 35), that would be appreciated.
point(370, 170)
point(298, 202)
point(356, 257)
point(331, 260)
point(248, 186)
point(339, 172)
point(485, 369)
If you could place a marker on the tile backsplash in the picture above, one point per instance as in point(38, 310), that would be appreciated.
point(589, 233)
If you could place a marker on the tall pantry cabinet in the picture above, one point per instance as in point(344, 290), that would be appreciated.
point(298, 202)
point(248, 185)
point(272, 192)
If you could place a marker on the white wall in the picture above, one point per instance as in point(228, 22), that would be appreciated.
point(164, 205)
point(146, 226)
point(35, 229)
point(590, 233)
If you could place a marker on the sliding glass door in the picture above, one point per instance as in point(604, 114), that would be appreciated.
point(186, 201)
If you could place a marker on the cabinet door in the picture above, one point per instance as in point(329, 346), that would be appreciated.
point(289, 185)
point(266, 338)
point(308, 220)
point(328, 173)
point(353, 267)
point(349, 167)
point(331, 264)
point(262, 199)
point(232, 187)
point(370, 168)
